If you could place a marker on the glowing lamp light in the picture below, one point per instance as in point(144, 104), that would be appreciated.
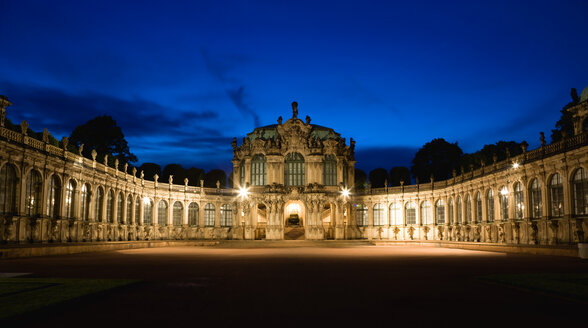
point(243, 192)
point(515, 166)
point(345, 192)
point(146, 200)
point(504, 191)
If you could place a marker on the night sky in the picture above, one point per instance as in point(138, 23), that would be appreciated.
point(183, 78)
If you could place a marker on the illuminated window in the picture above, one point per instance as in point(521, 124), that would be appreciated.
point(490, 205)
point(193, 214)
point(503, 200)
point(556, 200)
point(162, 213)
point(426, 213)
point(361, 215)
point(33, 193)
point(395, 214)
point(53, 196)
point(450, 210)
point(459, 210)
point(119, 208)
point(110, 206)
point(178, 213)
point(468, 209)
point(226, 219)
point(410, 213)
point(536, 204)
point(98, 213)
point(519, 201)
point(580, 190)
point(440, 212)
point(478, 207)
point(85, 202)
point(148, 212)
point(330, 170)
point(137, 210)
point(129, 209)
point(70, 199)
point(258, 170)
point(8, 189)
point(294, 170)
point(379, 217)
point(209, 215)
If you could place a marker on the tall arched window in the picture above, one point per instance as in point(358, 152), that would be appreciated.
point(478, 207)
point(503, 200)
point(178, 211)
point(110, 206)
point(137, 210)
point(440, 211)
point(119, 208)
point(410, 213)
point(330, 170)
point(53, 196)
point(193, 214)
point(395, 214)
point(148, 212)
point(379, 217)
point(536, 205)
point(361, 215)
point(209, 215)
point(556, 196)
point(8, 189)
point(490, 205)
point(426, 217)
point(70, 199)
point(580, 190)
point(519, 201)
point(85, 202)
point(162, 213)
point(226, 219)
point(450, 210)
point(294, 170)
point(258, 170)
point(98, 213)
point(468, 209)
point(459, 210)
point(129, 209)
point(33, 193)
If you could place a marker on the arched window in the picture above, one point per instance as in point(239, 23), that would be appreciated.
point(209, 215)
point(99, 202)
point(129, 209)
point(361, 215)
point(556, 200)
point(85, 202)
point(242, 173)
point(468, 209)
point(426, 213)
point(258, 170)
point(226, 219)
point(379, 217)
point(294, 170)
point(147, 211)
point(137, 210)
point(162, 213)
point(110, 206)
point(536, 206)
point(450, 210)
point(519, 201)
point(395, 214)
point(70, 199)
point(193, 214)
point(119, 208)
point(440, 212)
point(490, 205)
point(330, 170)
point(478, 207)
point(8, 189)
point(178, 213)
point(459, 210)
point(410, 213)
point(580, 190)
point(53, 196)
point(33, 193)
point(503, 200)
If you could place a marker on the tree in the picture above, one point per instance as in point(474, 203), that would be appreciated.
point(399, 173)
point(437, 157)
point(149, 170)
point(102, 134)
point(501, 150)
point(565, 123)
point(194, 176)
point(360, 180)
point(212, 176)
point(378, 178)
point(177, 171)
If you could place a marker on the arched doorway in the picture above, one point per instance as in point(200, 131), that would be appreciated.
point(294, 220)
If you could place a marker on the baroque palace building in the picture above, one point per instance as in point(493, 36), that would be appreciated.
point(293, 180)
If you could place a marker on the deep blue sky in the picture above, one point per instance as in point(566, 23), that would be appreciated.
point(183, 78)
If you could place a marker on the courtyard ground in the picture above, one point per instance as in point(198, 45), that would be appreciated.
point(348, 285)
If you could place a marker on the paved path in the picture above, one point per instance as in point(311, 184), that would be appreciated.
point(294, 287)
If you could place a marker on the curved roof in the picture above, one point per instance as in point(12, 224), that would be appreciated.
point(271, 132)
point(584, 94)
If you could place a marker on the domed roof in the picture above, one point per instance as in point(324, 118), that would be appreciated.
point(271, 132)
point(584, 94)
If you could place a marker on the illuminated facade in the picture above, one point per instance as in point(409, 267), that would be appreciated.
point(291, 182)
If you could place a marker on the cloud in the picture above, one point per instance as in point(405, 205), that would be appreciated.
point(234, 88)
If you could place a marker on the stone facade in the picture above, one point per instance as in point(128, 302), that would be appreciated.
point(290, 182)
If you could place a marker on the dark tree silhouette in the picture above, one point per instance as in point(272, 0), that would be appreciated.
point(399, 173)
point(212, 176)
point(501, 149)
point(194, 176)
point(149, 170)
point(437, 157)
point(102, 133)
point(378, 177)
point(565, 123)
point(360, 180)
point(177, 171)
point(231, 179)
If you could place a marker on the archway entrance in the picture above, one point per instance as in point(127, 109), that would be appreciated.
point(294, 219)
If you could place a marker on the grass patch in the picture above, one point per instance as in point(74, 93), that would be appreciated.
point(22, 295)
point(574, 286)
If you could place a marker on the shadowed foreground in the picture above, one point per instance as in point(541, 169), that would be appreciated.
point(300, 285)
